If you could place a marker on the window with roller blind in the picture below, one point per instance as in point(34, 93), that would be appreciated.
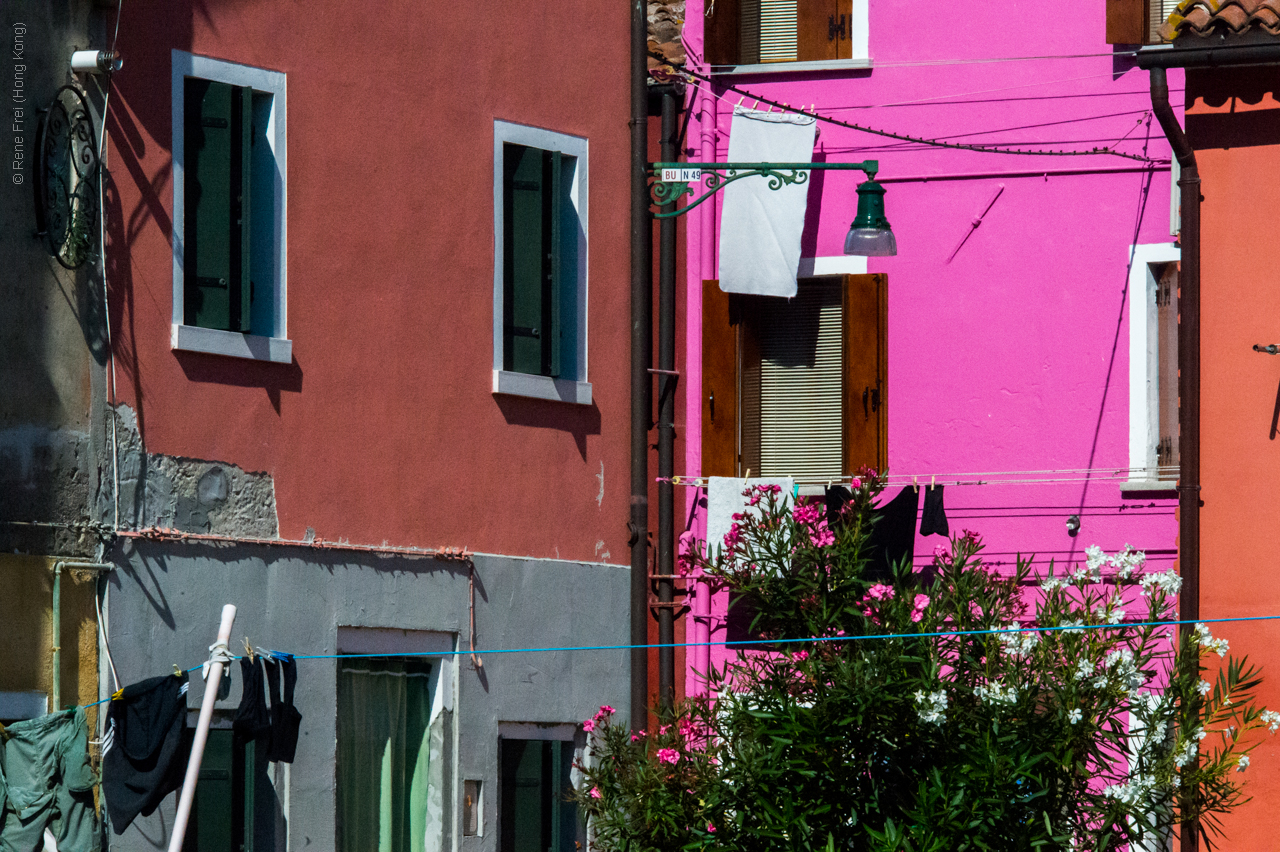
point(229, 209)
point(796, 387)
point(767, 32)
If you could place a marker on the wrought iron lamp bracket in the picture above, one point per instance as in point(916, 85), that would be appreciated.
point(671, 181)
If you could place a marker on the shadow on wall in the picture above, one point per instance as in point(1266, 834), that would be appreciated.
point(1237, 108)
point(578, 420)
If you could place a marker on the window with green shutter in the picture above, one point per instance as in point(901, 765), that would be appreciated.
point(540, 262)
point(540, 270)
point(222, 817)
point(229, 202)
point(218, 149)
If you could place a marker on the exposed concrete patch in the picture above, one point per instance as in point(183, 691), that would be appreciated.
point(193, 495)
point(46, 475)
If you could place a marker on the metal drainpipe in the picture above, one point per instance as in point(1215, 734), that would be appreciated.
point(56, 618)
point(641, 342)
point(1189, 372)
point(667, 381)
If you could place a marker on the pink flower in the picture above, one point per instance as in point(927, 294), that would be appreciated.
point(662, 729)
point(880, 592)
point(589, 725)
point(711, 828)
point(668, 755)
point(822, 536)
point(856, 483)
point(805, 513)
point(801, 655)
point(595, 792)
point(921, 601)
point(605, 708)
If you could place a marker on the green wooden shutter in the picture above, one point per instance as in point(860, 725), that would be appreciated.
point(213, 816)
point(532, 275)
point(218, 135)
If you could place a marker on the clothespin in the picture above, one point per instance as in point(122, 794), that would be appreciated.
point(757, 105)
point(748, 476)
point(740, 100)
point(177, 672)
point(933, 480)
point(915, 481)
point(248, 649)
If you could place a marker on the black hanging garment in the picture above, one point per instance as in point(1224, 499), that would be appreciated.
point(253, 720)
point(893, 535)
point(934, 518)
point(836, 497)
point(285, 718)
point(145, 749)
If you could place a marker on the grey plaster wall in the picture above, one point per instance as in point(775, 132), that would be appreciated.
point(164, 602)
point(52, 324)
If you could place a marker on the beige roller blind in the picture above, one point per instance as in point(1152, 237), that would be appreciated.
point(800, 389)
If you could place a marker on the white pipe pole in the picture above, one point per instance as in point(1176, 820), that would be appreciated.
point(202, 734)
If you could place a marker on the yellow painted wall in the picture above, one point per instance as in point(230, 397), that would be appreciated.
point(26, 655)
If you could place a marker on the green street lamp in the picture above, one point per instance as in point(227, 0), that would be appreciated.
point(869, 235)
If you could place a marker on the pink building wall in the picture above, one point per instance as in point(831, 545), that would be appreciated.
point(1014, 355)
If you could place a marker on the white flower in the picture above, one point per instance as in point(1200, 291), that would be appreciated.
point(1094, 556)
point(1243, 763)
point(1018, 642)
point(1115, 616)
point(996, 693)
point(1049, 584)
point(1186, 753)
point(931, 705)
point(1084, 668)
point(1206, 641)
point(1125, 669)
point(1132, 793)
point(1127, 561)
point(1167, 581)
point(1271, 719)
point(1204, 687)
point(1075, 715)
point(1068, 626)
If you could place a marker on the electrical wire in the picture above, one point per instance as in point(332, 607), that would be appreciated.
point(937, 143)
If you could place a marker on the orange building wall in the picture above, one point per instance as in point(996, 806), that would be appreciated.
point(1233, 121)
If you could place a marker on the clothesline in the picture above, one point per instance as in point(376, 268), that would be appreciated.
point(936, 634)
point(1051, 476)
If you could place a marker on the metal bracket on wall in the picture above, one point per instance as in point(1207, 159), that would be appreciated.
point(1270, 349)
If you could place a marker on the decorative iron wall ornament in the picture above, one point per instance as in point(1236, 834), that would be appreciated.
point(670, 181)
point(66, 178)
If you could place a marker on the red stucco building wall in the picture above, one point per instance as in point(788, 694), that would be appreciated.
point(385, 427)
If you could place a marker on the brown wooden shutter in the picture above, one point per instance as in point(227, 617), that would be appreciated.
point(866, 377)
point(1126, 21)
point(1167, 371)
point(721, 32)
point(822, 30)
point(719, 383)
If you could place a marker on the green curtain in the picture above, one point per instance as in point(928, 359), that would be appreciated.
point(384, 711)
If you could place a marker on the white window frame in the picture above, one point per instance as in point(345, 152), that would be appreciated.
point(276, 346)
point(1144, 367)
point(575, 389)
point(860, 54)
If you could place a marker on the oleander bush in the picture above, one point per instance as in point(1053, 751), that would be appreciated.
point(955, 708)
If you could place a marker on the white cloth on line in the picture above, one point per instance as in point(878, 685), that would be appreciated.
point(725, 498)
point(760, 227)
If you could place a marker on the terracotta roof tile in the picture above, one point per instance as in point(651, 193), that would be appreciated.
point(666, 38)
point(1204, 17)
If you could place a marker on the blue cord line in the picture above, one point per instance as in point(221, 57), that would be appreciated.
point(931, 635)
